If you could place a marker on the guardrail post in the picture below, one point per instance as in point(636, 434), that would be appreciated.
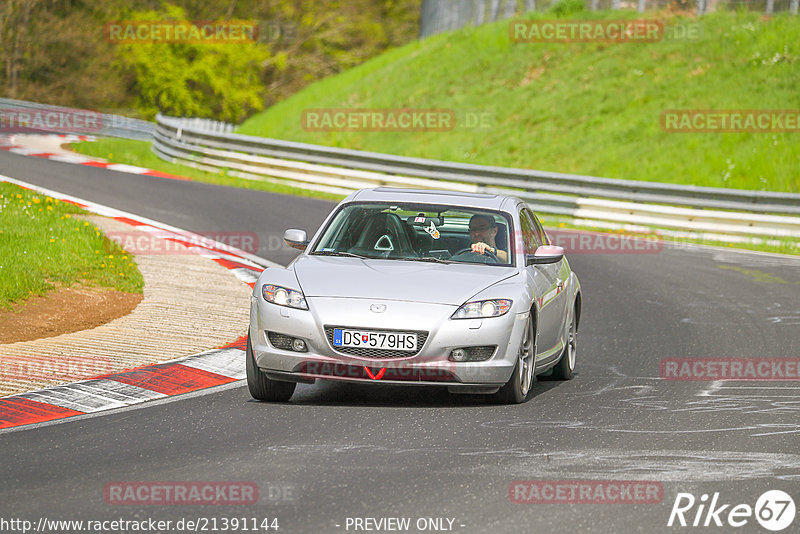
point(479, 11)
point(464, 13)
point(793, 7)
point(701, 7)
point(511, 8)
point(427, 18)
point(642, 5)
point(615, 4)
point(495, 10)
point(530, 5)
point(770, 7)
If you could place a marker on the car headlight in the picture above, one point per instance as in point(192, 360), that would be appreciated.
point(479, 309)
point(284, 297)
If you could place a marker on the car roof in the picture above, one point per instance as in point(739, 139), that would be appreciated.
point(487, 201)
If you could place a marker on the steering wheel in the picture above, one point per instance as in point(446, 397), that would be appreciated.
point(490, 255)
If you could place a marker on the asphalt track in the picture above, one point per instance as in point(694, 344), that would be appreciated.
point(341, 451)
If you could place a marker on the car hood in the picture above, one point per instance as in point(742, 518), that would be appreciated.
point(395, 280)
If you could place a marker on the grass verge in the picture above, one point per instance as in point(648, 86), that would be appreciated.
point(45, 245)
point(585, 108)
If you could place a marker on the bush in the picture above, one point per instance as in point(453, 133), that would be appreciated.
point(220, 81)
point(564, 8)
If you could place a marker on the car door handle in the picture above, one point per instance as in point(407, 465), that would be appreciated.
point(560, 285)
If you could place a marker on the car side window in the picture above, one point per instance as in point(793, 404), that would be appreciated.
point(543, 239)
point(529, 237)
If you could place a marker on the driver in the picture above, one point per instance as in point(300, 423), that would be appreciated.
point(482, 231)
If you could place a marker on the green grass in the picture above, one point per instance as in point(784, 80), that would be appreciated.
point(138, 153)
point(44, 245)
point(586, 108)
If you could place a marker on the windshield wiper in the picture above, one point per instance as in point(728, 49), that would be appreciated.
point(351, 255)
point(428, 259)
point(339, 253)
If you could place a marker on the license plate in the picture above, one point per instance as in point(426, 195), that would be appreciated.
point(374, 340)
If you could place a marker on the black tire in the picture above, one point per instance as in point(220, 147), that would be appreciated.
point(262, 388)
point(513, 392)
point(565, 368)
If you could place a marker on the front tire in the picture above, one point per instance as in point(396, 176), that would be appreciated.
point(519, 386)
point(565, 368)
point(262, 388)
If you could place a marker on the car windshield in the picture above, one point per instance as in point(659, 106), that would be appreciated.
point(435, 233)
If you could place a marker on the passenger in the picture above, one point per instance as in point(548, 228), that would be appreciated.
point(482, 232)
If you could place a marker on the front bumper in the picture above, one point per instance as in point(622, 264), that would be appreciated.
point(430, 365)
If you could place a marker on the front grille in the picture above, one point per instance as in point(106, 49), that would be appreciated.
point(376, 354)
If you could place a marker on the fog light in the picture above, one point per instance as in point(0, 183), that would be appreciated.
point(472, 354)
point(458, 355)
point(298, 345)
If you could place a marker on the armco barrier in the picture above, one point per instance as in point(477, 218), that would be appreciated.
point(56, 120)
point(210, 146)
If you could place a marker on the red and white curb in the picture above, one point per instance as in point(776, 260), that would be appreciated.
point(199, 371)
point(9, 144)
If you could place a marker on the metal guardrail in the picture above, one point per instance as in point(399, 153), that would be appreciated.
point(205, 125)
point(60, 120)
point(214, 148)
point(443, 15)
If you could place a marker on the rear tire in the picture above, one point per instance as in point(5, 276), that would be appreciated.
point(565, 368)
point(262, 388)
point(519, 386)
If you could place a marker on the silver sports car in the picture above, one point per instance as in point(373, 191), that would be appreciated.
point(417, 287)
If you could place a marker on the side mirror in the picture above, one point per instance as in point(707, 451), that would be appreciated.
point(545, 254)
point(296, 238)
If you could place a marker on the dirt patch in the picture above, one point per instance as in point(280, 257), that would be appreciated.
point(63, 311)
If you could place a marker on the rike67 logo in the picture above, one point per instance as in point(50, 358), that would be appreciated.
point(774, 510)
